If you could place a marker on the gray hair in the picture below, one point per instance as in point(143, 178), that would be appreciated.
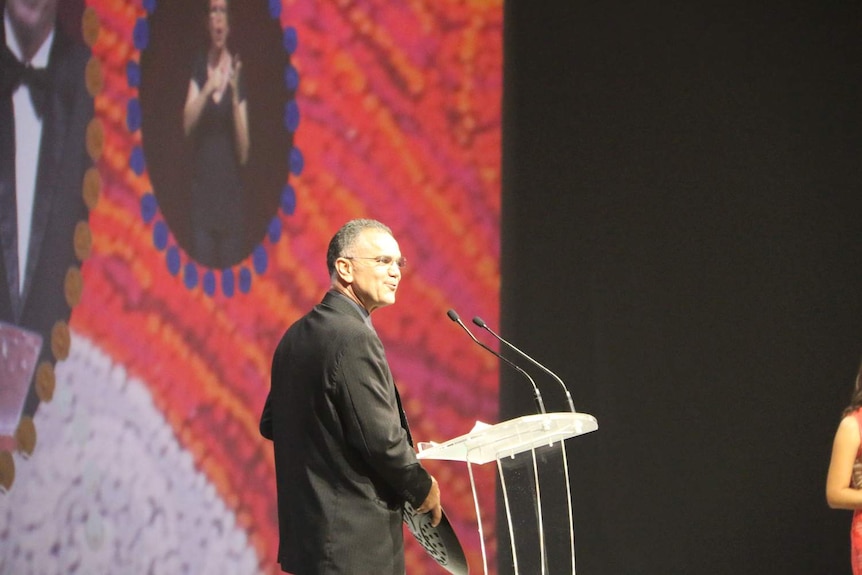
point(345, 238)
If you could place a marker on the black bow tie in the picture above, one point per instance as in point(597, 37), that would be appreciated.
point(13, 73)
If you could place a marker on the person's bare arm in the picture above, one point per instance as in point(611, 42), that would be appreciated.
point(196, 99)
point(839, 492)
point(240, 116)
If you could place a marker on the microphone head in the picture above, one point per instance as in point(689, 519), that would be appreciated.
point(479, 321)
point(453, 315)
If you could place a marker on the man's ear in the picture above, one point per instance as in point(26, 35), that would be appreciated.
point(344, 270)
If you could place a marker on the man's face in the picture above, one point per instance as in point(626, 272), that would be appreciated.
point(31, 18)
point(374, 284)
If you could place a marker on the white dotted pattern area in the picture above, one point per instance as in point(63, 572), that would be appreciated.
point(109, 490)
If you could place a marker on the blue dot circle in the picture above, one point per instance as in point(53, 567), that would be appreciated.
point(136, 161)
point(209, 283)
point(232, 279)
point(244, 280)
point(291, 78)
point(133, 74)
point(149, 207)
point(291, 116)
point(190, 275)
point(288, 199)
point(133, 115)
point(259, 260)
point(173, 260)
point(160, 235)
point(275, 9)
point(227, 282)
point(274, 231)
point(297, 162)
point(291, 40)
point(141, 34)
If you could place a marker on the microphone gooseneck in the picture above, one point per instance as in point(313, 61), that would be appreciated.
point(453, 315)
point(481, 323)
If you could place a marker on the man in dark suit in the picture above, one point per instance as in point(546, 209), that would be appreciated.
point(344, 460)
point(45, 109)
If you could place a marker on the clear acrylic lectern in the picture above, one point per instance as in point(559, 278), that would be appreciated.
point(486, 443)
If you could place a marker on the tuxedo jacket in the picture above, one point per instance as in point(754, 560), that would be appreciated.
point(343, 458)
point(58, 202)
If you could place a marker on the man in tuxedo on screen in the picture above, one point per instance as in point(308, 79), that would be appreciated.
point(344, 460)
point(45, 109)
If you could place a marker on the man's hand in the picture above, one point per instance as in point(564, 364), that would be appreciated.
point(432, 503)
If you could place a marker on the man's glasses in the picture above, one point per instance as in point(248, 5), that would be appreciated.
point(382, 261)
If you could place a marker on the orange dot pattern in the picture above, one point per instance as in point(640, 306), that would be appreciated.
point(400, 121)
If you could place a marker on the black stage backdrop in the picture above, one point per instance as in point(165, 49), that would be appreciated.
point(681, 243)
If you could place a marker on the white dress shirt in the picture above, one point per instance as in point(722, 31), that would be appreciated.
point(28, 138)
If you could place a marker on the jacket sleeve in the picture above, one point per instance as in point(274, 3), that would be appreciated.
point(266, 419)
point(266, 416)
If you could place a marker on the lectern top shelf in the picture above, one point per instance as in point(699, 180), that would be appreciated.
point(506, 439)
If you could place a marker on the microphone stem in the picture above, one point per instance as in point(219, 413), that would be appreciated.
point(536, 393)
point(537, 364)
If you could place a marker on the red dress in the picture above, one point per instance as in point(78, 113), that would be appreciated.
point(856, 526)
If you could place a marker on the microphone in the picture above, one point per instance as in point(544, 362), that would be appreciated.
point(453, 315)
point(481, 323)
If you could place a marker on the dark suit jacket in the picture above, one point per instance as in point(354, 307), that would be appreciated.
point(58, 203)
point(344, 464)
